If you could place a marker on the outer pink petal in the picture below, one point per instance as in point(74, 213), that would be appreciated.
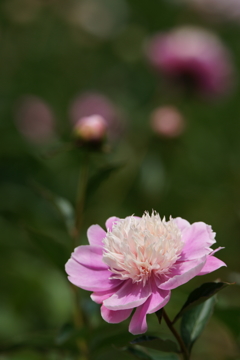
point(99, 296)
point(90, 256)
point(138, 323)
point(182, 223)
point(110, 222)
point(114, 317)
point(181, 273)
point(211, 264)
point(197, 238)
point(158, 299)
point(96, 235)
point(89, 279)
point(129, 296)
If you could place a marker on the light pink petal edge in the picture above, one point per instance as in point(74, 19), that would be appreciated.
point(96, 235)
point(128, 296)
point(182, 273)
point(114, 317)
point(90, 256)
point(110, 222)
point(211, 265)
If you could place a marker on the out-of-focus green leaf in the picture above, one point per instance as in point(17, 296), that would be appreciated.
point(101, 175)
point(201, 294)
point(69, 334)
point(53, 250)
point(156, 343)
point(63, 206)
point(194, 321)
point(150, 354)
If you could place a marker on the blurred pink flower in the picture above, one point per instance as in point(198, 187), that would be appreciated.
point(217, 9)
point(194, 56)
point(34, 119)
point(138, 261)
point(91, 128)
point(167, 121)
point(92, 103)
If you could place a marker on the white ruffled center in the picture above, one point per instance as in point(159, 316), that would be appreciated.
point(138, 247)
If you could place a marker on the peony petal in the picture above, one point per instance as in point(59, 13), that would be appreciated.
point(96, 235)
point(128, 296)
point(211, 264)
point(99, 296)
point(110, 222)
point(181, 273)
point(138, 323)
point(197, 238)
point(90, 256)
point(89, 279)
point(182, 223)
point(158, 299)
point(114, 317)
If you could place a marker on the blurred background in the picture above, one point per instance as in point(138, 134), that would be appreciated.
point(162, 80)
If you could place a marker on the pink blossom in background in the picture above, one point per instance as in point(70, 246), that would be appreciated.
point(34, 119)
point(92, 103)
point(138, 261)
point(91, 128)
point(228, 10)
point(167, 121)
point(192, 56)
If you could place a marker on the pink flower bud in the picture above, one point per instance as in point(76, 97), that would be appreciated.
point(91, 129)
point(167, 121)
point(92, 103)
point(34, 119)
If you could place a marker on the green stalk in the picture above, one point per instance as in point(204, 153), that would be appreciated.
point(184, 350)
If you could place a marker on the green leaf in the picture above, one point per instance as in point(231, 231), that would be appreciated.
point(194, 321)
point(63, 206)
point(139, 354)
point(156, 343)
point(201, 294)
point(53, 250)
point(101, 175)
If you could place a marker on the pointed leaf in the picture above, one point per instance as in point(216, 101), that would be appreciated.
point(53, 250)
point(156, 343)
point(159, 314)
point(201, 294)
point(194, 321)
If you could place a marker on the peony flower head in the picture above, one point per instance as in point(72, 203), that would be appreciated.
point(194, 57)
point(138, 261)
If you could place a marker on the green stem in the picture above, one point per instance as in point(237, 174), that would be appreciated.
point(81, 192)
point(184, 350)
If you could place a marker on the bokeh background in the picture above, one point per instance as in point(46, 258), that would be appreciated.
point(65, 59)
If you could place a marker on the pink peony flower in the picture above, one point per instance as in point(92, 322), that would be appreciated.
point(193, 56)
point(138, 261)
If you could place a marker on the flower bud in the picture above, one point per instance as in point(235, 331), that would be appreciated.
point(91, 129)
point(167, 121)
point(34, 119)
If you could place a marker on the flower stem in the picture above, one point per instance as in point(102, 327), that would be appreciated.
point(81, 192)
point(184, 350)
point(79, 319)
